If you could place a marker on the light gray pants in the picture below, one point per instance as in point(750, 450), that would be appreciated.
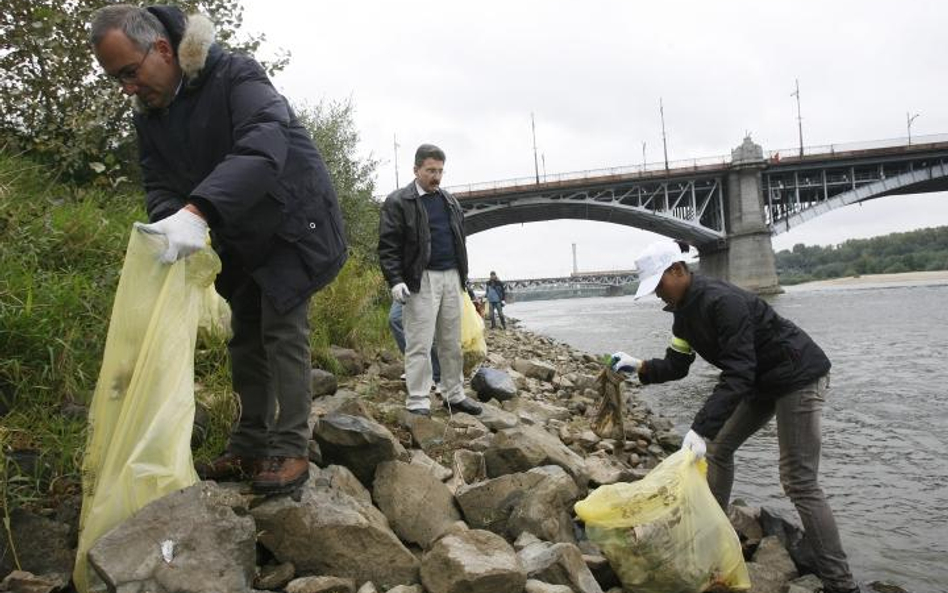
point(434, 313)
point(270, 367)
point(798, 434)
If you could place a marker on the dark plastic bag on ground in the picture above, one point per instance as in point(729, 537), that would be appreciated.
point(608, 423)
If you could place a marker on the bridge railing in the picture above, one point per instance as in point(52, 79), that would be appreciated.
point(683, 165)
point(625, 171)
point(831, 149)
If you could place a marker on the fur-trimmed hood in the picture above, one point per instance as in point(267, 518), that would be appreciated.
point(192, 37)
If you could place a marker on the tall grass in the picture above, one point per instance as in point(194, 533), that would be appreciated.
point(61, 252)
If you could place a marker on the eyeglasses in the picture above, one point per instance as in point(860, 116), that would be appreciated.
point(129, 73)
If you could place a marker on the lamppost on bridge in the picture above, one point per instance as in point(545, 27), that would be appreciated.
point(536, 165)
point(908, 124)
point(395, 140)
point(661, 110)
point(796, 94)
point(643, 157)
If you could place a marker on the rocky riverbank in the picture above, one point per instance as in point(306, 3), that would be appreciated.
point(448, 504)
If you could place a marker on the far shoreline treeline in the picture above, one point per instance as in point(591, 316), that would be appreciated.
point(922, 250)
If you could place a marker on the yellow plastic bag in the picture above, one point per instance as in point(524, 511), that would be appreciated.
point(472, 328)
point(473, 345)
point(142, 411)
point(666, 532)
point(214, 318)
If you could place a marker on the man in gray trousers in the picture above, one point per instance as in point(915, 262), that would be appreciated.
point(423, 256)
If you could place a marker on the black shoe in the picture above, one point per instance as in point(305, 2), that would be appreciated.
point(466, 405)
point(420, 412)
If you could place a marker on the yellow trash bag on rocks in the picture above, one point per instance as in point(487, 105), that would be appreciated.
point(666, 532)
point(472, 330)
point(141, 415)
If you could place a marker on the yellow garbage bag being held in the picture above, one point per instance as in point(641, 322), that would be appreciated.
point(473, 345)
point(142, 412)
point(666, 532)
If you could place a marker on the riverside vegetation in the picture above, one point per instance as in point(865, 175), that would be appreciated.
point(923, 250)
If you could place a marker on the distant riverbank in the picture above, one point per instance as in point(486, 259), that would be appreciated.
point(876, 280)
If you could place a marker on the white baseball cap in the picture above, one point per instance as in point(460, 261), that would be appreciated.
point(653, 262)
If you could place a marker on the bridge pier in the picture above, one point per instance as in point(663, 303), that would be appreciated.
point(747, 259)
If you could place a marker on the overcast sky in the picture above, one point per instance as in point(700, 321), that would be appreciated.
point(467, 76)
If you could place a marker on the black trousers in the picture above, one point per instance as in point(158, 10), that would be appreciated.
point(270, 369)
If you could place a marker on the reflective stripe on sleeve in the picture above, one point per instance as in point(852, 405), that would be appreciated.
point(679, 345)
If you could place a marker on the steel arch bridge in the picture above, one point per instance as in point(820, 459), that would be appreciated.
point(688, 199)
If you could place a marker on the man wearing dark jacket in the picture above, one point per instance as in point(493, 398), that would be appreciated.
point(423, 256)
point(769, 367)
point(220, 148)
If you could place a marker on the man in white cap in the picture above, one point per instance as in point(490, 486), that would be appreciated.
point(769, 367)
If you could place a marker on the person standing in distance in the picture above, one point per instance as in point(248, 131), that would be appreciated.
point(423, 255)
point(220, 148)
point(769, 368)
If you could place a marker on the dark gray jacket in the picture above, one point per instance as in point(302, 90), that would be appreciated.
point(230, 144)
point(405, 237)
point(760, 354)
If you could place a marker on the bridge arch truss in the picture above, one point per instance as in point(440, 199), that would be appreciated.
point(691, 209)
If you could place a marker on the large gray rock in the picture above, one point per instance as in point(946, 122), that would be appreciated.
point(765, 579)
point(418, 505)
point(805, 584)
point(323, 382)
point(420, 458)
point(327, 404)
point(772, 554)
point(350, 360)
point(525, 447)
point(42, 545)
point(428, 433)
point(322, 584)
point(746, 522)
point(538, 413)
point(493, 384)
point(358, 443)
point(329, 531)
point(210, 545)
point(535, 369)
point(472, 562)
point(538, 501)
point(604, 469)
point(791, 536)
point(488, 504)
point(496, 419)
point(558, 564)
point(546, 510)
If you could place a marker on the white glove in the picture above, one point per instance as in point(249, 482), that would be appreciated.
point(401, 293)
point(185, 232)
point(695, 442)
point(503, 303)
point(623, 363)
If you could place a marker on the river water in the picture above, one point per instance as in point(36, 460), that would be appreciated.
point(885, 424)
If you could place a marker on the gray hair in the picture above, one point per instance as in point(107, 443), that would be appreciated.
point(140, 26)
point(428, 151)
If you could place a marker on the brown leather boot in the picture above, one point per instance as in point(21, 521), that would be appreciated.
point(281, 475)
point(229, 467)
